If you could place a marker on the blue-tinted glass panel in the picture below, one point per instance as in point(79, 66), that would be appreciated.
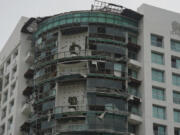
point(175, 45)
point(176, 97)
point(158, 93)
point(157, 75)
point(157, 58)
point(176, 79)
point(177, 116)
point(159, 112)
point(156, 41)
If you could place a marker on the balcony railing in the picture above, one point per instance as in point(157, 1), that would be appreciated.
point(106, 121)
point(110, 108)
point(71, 54)
point(45, 77)
point(104, 71)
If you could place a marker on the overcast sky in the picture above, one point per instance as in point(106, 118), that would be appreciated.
point(12, 10)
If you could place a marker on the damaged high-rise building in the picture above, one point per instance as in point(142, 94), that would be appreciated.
point(105, 71)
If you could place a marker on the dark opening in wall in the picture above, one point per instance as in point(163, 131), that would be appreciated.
point(101, 30)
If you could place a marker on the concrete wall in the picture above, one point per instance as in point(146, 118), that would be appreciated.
point(16, 42)
point(157, 21)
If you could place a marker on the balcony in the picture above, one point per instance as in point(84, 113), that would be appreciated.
point(93, 122)
point(133, 46)
point(79, 112)
point(29, 73)
point(72, 128)
point(26, 108)
point(45, 77)
point(135, 119)
point(70, 109)
point(29, 58)
point(134, 99)
point(134, 81)
point(134, 64)
point(84, 71)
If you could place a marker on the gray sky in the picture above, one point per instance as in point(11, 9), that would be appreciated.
point(12, 10)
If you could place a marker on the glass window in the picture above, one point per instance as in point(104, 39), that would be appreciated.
point(175, 45)
point(156, 41)
point(132, 55)
point(159, 112)
point(177, 116)
point(157, 75)
point(176, 97)
point(132, 73)
point(158, 93)
point(175, 62)
point(159, 129)
point(176, 79)
point(132, 39)
point(157, 58)
point(84, 19)
point(101, 19)
point(119, 67)
point(133, 90)
point(176, 131)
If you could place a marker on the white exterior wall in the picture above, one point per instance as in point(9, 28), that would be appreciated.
point(17, 41)
point(157, 21)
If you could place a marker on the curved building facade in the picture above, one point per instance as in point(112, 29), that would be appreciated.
point(81, 73)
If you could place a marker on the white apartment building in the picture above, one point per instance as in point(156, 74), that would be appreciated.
point(155, 67)
point(13, 65)
point(160, 59)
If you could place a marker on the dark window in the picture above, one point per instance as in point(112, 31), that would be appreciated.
point(177, 131)
point(93, 47)
point(101, 30)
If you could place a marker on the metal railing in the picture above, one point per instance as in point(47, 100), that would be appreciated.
point(71, 54)
point(105, 121)
point(45, 77)
point(109, 108)
point(86, 70)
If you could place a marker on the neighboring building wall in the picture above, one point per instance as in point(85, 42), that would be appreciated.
point(15, 51)
point(158, 22)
